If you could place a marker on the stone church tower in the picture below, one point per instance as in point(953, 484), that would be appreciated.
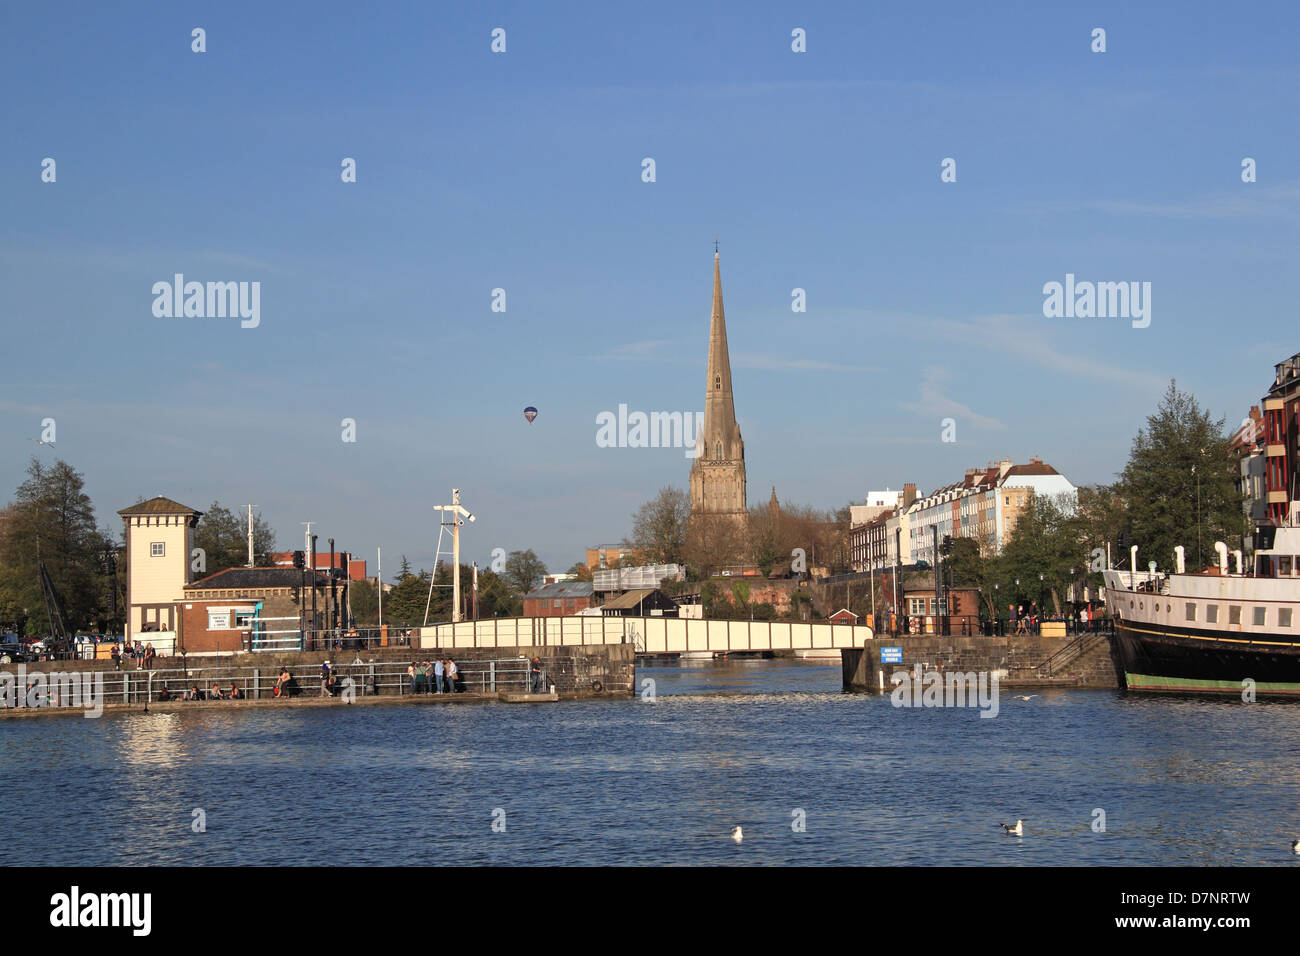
point(718, 473)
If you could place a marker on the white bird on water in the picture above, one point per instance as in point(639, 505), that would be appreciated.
point(1017, 830)
point(737, 834)
point(1024, 697)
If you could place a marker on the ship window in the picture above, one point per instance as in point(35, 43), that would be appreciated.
point(1260, 613)
point(1284, 617)
point(1284, 565)
point(1234, 613)
point(1212, 614)
point(1191, 611)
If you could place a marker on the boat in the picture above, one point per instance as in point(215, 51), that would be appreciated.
point(1214, 632)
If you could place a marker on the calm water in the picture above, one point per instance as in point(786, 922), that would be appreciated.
point(626, 782)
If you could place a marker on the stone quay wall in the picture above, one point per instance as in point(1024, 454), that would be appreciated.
point(1019, 661)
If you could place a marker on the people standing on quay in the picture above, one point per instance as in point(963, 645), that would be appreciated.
point(410, 674)
point(428, 677)
point(325, 679)
point(452, 671)
point(535, 670)
point(117, 656)
point(437, 673)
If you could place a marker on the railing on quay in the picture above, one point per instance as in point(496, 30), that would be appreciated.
point(368, 679)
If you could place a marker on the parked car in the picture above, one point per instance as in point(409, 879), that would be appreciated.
point(15, 653)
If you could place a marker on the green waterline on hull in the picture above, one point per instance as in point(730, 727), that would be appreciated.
point(1147, 682)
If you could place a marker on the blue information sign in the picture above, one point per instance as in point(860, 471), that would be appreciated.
point(891, 655)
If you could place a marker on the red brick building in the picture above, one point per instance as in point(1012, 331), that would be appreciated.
point(1282, 439)
point(557, 600)
point(222, 613)
point(356, 567)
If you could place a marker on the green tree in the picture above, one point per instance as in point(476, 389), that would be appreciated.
point(581, 570)
point(223, 536)
point(364, 597)
point(1180, 485)
point(524, 571)
point(659, 528)
point(404, 604)
point(51, 519)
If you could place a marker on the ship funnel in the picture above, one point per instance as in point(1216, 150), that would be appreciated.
point(1178, 559)
point(1222, 548)
point(1237, 554)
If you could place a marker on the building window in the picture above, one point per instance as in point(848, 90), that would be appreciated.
point(156, 549)
point(1212, 614)
point(555, 602)
point(1260, 613)
point(1191, 611)
point(1234, 614)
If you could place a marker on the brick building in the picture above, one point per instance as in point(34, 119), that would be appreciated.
point(560, 599)
point(222, 613)
point(356, 567)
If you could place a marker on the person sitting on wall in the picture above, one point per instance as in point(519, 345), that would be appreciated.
point(234, 693)
point(216, 693)
point(164, 694)
point(195, 693)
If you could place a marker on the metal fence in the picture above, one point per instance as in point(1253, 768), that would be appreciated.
point(378, 678)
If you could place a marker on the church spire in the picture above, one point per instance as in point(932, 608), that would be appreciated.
point(718, 473)
point(721, 433)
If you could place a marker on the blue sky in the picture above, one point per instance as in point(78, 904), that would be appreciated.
point(522, 171)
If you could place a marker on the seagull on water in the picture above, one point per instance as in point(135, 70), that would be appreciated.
point(1017, 830)
point(737, 834)
point(1025, 697)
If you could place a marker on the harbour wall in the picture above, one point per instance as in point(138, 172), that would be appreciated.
point(576, 672)
point(1072, 661)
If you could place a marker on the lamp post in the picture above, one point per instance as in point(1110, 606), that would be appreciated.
point(1042, 602)
point(997, 607)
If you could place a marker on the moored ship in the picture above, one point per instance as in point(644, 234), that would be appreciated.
point(1216, 631)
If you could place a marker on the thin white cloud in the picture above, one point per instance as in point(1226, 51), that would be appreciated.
point(933, 401)
point(1250, 201)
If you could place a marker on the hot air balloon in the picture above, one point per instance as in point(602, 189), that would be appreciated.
point(530, 413)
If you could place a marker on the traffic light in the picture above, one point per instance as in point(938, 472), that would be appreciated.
point(299, 560)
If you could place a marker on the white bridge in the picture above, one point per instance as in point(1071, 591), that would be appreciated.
point(650, 635)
